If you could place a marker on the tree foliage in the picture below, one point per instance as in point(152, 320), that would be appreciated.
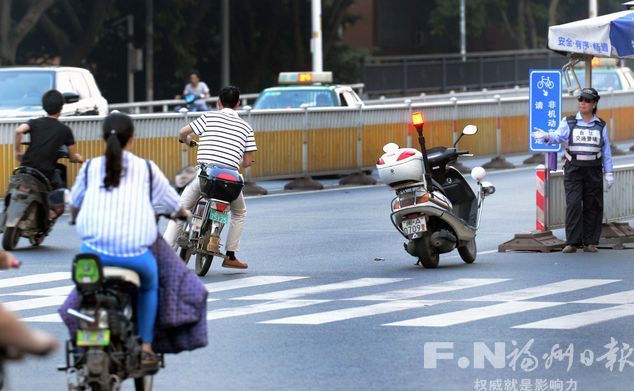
point(507, 24)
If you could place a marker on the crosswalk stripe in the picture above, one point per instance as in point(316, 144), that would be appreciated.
point(580, 319)
point(249, 282)
point(57, 291)
point(472, 314)
point(258, 308)
point(355, 312)
point(29, 304)
point(446, 286)
point(34, 279)
point(299, 292)
point(48, 318)
point(625, 297)
point(543, 290)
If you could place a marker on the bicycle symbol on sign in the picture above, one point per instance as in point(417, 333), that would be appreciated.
point(545, 82)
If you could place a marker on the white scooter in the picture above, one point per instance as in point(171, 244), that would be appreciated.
point(435, 208)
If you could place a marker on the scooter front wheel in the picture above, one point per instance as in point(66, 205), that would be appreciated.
point(469, 251)
point(203, 263)
point(10, 238)
point(427, 254)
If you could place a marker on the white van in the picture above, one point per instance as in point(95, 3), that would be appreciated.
point(21, 90)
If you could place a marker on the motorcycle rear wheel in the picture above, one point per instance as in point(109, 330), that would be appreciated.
point(469, 251)
point(10, 238)
point(427, 254)
point(203, 263)
point(36, 240)
point(143, 383)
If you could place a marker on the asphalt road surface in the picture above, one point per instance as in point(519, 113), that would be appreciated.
point(331, 301)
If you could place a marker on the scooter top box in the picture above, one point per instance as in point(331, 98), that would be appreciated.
point(400, 165)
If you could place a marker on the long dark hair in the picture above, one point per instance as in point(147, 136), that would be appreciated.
point(117, 131)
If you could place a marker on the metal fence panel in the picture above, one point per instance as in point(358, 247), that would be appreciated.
point(618, 202)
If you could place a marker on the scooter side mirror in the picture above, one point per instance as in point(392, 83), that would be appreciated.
point(487, 188)
point(470, 130)
point(478, 173)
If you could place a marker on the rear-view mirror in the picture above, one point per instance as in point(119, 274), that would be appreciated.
point(70, 97)
point(470, 130)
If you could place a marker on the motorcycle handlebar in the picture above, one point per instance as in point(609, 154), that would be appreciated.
point(192, 143)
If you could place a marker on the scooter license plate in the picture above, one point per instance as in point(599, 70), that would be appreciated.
point(93, 337)
point(414, 226)
point(220, 217)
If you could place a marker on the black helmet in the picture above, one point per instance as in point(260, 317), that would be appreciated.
point(590, 93)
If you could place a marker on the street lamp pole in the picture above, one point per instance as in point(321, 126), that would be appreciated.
point(224, 77)
point(316, 41)
point(463, 32)
point(131, 58)
point(149, 49)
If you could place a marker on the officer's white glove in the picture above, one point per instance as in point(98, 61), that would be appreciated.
point(540, 134)
point(609, 179)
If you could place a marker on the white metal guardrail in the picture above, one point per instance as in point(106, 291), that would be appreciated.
point(292, 142)
point(618, 202)
point(168, 105)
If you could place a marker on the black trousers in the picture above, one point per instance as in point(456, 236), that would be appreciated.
point(584, 204)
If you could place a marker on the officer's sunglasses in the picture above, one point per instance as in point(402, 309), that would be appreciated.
point(582, 99)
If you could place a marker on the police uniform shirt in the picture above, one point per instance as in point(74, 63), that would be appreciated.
point(562, 134)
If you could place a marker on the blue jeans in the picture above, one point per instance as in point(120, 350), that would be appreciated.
point(147, 304)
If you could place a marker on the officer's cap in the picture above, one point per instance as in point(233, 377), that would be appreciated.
point(590, 93)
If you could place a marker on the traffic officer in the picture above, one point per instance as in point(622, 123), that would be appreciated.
point(588, 163)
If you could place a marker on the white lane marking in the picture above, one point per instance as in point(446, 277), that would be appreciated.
point(625, 297)
point(355, 312)
point(40, 302)
point(258, 308)
point(249, 282)
point(473, 314)
point(441, 287)
point(580, 319)
point(543, 290)
point(48, 318)
point(34, 279)
point(57, 291)
point(309, 290)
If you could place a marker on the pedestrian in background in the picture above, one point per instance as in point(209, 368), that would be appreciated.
point(199, 89)
point(588, 164)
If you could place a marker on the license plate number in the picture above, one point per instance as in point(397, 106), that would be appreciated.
point(414, 226)
point(93, 337)
point(220, 217)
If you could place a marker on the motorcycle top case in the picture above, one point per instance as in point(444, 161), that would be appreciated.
point(401, 166)
point(220, 183)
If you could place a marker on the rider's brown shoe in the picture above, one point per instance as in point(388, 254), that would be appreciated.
point(590, 248)
point(234, 264)
point(569, 249)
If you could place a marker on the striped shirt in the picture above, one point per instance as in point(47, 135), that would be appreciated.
point(224, 137)
point(120, 221)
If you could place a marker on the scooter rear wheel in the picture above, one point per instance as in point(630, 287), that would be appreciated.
point(469, 251)
point(203, 263)
point(10, 238)
point(185, 254)
point(427, 254)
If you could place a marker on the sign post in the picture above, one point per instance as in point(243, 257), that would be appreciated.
point(544, 114)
